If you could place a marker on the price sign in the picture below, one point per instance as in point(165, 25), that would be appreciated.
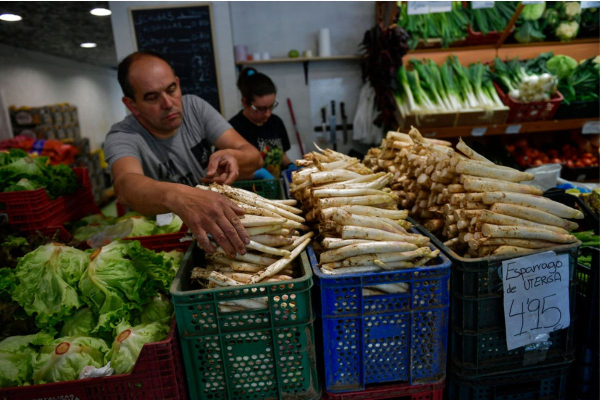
point(417, 7)
point(512, 129)
point(440, 6)
point(476, 5)
point(590, 4)
point(478, 131)
point(531, 2)
point(164, 219)
point(590, 128)
point(536, 297)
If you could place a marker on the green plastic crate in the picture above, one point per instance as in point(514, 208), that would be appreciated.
point(256, 354)
point(267, 188)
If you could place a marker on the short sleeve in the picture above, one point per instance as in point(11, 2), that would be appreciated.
point(213, 123)
point(118, 145)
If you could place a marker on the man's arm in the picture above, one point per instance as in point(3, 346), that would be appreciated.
point(202, 211)
point(232, 145)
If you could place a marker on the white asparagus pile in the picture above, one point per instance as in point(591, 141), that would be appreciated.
point(275, 241)
point(480, 208)
point(360, 227)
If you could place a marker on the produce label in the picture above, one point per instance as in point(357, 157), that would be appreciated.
point(512, 129)
point(418, 7)
point(476, 5)
point(531, 2)
point(440, 6)
point(591, 127)
point(590, 4)
point(478, 131)
point(536, 297)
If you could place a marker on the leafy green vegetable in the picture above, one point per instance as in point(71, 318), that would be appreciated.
point(494, 19)
point(47, 280)
point(64, 358)
point(173, 257)
point(583, 84)
point(533, 12)
point(172, 227)
point(561, 66)
point(587, 238)
point(159, 308)
point(17, 354)
point(129, 341)
point(79, 324)
point(23, 184)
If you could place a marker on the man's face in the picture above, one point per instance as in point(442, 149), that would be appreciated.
point(157, 103)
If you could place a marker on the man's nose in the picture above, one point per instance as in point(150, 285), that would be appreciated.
point(166, 101)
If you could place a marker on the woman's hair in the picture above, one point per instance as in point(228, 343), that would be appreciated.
point(252, 83)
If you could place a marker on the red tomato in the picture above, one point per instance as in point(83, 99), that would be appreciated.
point(570, 164)
point(510, 148)
point(579, 164)
point(521, 143)
point(587, 155)
point(538, 162)
point(587, 162)
point(555, 161)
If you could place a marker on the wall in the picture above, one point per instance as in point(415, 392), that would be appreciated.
point(125, 44)
point(33, 79)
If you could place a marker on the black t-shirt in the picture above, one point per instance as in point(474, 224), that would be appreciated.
point(270, 139)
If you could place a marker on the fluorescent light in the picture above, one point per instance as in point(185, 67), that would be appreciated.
point(10, 17)
point(88, 45)
point(100, 12)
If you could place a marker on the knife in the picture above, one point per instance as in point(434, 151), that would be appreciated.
point(332, 126)
point(344, 120)
point(323, 125)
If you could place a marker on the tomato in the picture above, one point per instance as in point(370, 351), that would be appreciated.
point(570, 164)
point(521, 143)
point(579, 164)
point(510, 148)
point(587, 155)
point(566, 148)
point(538, 162)
point(555, 161)
point(587, 162)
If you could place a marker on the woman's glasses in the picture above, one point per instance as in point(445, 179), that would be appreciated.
point(263, 110)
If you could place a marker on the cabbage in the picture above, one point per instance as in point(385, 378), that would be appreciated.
point(47, 280)
point(561, 66)
point(128, 344)
point(79, 324)
point(17, 356)
point(159, 308)
point(533, 12)
point(64, 358)
point(112, 285)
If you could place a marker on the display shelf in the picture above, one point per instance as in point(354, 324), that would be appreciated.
point(506, 129)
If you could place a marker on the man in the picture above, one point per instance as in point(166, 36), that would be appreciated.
point(159, 152)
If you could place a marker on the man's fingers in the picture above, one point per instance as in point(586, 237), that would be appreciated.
point(203, 241)
point(213, 164)
point(237, 209)
point(232, 235)
point(221, 237)
point(237, 224)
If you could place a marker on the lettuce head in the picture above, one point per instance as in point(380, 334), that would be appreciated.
point(141, 226)
point(82, 323)
point(173, 227)
point(17, 354)
point(46, 282)
point(129, 341)
point(64, 358)
point(158, 309)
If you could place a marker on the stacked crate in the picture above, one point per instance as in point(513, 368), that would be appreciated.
point(93, 162)
point(57, 121)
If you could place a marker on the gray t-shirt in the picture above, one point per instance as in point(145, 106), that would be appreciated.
point(183, 157)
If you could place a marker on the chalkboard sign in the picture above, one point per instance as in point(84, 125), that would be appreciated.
point(184, 36)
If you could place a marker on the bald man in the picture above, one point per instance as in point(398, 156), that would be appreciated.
point(162, 150)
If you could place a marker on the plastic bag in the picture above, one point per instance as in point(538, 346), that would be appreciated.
point(546, 176)
point(364, 130)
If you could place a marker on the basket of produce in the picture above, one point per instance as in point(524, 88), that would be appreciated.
point(487, 24)
point(252, 311)
point(376, 281)
point(89, 310)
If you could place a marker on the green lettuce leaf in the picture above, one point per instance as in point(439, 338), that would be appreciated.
point(174, 257)
point(141, 227)
point(79, 324)
point(158, 309)
point(64, 358)
point(47, 280)
point(172, 227)
point(17, 355)
point(129, 341)
point(153, 264)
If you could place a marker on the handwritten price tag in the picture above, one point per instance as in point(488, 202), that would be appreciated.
point(536, 297)
point(440, 6)
point(512, 129)
point(476, 5)
point(590, 128)
point(417, 7)
point(590, 4)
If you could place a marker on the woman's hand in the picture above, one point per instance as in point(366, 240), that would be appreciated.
point(222, 168)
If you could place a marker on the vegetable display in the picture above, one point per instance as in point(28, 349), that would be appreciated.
point(19, 171)
point(482, 208)
point(360, 228)
point(578, 82)
point(494, 18)
point(273, 227)
point(569, 155)
point(524, 81)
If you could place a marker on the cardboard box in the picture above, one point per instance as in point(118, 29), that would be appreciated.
point(496, 116)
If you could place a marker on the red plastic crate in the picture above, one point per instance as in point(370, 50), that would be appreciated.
point(523, 112)
point(399, 391)
point(157, 374)
point(164, 242)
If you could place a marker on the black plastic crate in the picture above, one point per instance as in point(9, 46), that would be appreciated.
point(541, 383)
point(578, 109)
point(590, 220)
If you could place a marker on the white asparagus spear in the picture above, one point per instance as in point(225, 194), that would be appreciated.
point(468, 167)
point(267, 249)
point(365, 248)
point(476, 184)
point(358, 200)
point(246, 196)
point(394, 265)
point(405, 256)
point(263, 229)
point(250, 304)
point(360, 180)
point(376, 212)
point(345, 218)
point(290, 202)
point(253, 201)
point(235, 265)
point(527, 243)
point(389, 287)
point(361, 232)
point(511, 250)
point(252, 210)
point(335, 243)
point(272, 240)
point(539, 203)
point(325, 193)
point(467, 151)
point(213, 276)
point(534, 215)
point(366, 292)
point(332, 176)
point(249, 221)
point(500, 219)
point(249, 257)
point(351, 270)
point(298, 240)
point(522, 232)
point(245, 278)
point(277, 266)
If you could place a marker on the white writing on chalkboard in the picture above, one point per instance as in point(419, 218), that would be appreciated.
point(536, 297)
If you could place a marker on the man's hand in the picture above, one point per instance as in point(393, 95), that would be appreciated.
point(222, 168)
point(205, 212)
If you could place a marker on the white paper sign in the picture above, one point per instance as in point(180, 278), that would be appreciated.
point(536, 297)
point(164, 219)
point(478, 131)
point(590, 4)
point(531, 2)
point(512, 129)
point(476, 5)
point(591, 127)
point(417, 7)
point(440, 6)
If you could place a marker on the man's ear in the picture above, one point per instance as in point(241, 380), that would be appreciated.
point(130, 104)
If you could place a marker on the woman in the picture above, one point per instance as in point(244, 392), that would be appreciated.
point(259, 126)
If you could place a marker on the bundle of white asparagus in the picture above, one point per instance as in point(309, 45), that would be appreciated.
point(275, 241)
point(360, 227)
point(481, 207)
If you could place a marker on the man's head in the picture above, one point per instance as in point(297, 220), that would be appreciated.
point(151, 92)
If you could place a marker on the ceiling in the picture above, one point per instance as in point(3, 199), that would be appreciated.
point(58, 28)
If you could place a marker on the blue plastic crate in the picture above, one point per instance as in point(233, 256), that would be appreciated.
point(398, 337)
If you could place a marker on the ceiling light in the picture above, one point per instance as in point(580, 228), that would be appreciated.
point(10, 17)
point(88, 45)
point(100, 12)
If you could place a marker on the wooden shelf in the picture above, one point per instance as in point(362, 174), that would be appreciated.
point(501, 129)
point(299, 59)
